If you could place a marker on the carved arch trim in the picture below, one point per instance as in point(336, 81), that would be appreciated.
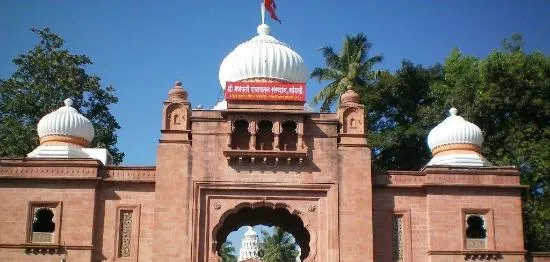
point(304, 216)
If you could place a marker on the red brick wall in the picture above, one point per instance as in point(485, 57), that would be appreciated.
point(445, 208)
point(434, 227)
point(125, 195)
point(411, 202)
point(539, 257)
point(77, 216)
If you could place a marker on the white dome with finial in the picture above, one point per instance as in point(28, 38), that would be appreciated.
point(454, 130)
point(66, 121)
point(456, 142)
point(263, 56)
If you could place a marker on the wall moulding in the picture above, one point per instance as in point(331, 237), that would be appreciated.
point(470, 177)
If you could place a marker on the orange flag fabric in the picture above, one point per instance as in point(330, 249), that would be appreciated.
point(270, 6)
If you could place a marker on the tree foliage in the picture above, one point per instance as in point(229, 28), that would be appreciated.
point(400, 116)
point(227, 252)
point(279, 246)
point(351, 68)
point(44, 77)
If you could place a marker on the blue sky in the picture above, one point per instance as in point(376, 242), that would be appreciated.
point(143, 47)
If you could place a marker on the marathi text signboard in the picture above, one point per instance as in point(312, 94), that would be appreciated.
point(265, 91)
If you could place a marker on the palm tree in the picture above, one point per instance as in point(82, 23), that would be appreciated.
point(278, 247)
point(227, 252)
point(352, 68)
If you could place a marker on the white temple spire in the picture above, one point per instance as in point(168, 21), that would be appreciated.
point(250, 246)
point(262, 7)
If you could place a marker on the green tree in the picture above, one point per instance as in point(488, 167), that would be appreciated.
point(279, 246)
point(352, 68)
point(44, 77)
point(398, 120)
point(227, 252)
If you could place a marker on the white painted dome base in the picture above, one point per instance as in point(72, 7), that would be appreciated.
point(67, 151)
point(222, 105)
point(465, 160)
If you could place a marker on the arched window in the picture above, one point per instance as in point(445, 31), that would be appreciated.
point(43, 226)
point(289, 137)
point(43, 221)
point(476, 231)
point(475, 227)
point(240, 138)
point(264, 136)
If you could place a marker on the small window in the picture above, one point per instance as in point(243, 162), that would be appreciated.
point(44, 222)
point(476, 231)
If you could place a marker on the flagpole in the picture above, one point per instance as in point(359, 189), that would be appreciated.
point(262, 7)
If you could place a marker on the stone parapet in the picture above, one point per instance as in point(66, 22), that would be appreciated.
point(450, 176)
point(130, 174)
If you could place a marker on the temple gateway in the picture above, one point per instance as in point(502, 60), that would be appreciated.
point(259, 157)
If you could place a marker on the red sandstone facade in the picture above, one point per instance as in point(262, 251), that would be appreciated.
point(316, 183)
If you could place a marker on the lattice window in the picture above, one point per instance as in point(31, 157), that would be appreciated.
point(398, 247)
point(125, 233)
point(476, 231)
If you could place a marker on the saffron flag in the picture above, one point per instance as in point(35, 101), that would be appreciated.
point(270, 6)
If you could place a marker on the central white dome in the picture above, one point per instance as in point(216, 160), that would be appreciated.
point(263, 56)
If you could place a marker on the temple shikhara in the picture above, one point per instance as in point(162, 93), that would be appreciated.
point(259, 157)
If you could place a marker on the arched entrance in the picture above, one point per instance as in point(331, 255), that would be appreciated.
point(268, 214)
point(308, 212)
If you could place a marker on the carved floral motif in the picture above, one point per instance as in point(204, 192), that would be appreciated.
point(397, 238)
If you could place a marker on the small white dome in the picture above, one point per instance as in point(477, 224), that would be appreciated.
point(263, 56)
point(454, 130)
point(66, 121)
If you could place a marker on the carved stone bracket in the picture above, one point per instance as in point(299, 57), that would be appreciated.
point(480, 256)
point(264, 157)
point(33, 249)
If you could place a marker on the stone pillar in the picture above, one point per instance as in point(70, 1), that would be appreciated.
point(252, 129)
point(276, 133)
point(172, 229)
point(300, 133)
point(229, 139)
point(355, 186)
